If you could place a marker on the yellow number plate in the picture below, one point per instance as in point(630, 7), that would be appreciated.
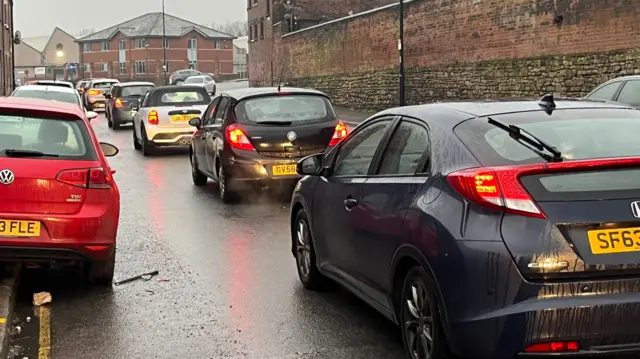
point(182, 118)
point(11, 228)
point(619, 240)
point(284, 170)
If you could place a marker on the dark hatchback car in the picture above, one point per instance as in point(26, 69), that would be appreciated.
point(625, 90)
point(251, 139)
point(119, 99)
point(487, 229)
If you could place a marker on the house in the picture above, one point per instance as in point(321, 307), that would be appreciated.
point(54, 52)
point(240, 56)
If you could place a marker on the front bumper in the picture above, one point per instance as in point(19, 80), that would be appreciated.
point(170, 136)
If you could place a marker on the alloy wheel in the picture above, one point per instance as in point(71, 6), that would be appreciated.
point(193, 164)
point(303, 249)
point(418, 324)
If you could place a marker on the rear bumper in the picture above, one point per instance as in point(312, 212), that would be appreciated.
point(96, 104)
point(248, 174)
point(170, 137)
point(121, 116)
point(47, 254)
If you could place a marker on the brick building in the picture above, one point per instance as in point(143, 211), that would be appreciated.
point(467, 49)
point(7, 77)
point(133, 50)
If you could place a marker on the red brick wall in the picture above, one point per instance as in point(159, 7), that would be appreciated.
point(462, 49)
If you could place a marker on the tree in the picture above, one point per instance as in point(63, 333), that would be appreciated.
point(84, 32)
point(236, 28)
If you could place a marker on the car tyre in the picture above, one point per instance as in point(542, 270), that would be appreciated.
point(305, 254)
point(199, 179)
point(420, 323)
point(147, 146)
point(115, 124)
point(101, 272)
point(136, 144)
point(227, 195)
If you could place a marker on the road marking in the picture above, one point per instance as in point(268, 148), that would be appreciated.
point(44, 350)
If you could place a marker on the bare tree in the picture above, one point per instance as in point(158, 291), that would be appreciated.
point(84, 32)
point(235, 28)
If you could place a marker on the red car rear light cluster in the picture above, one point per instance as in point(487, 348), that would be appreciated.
point(339, 134)
point(238, 139)
point(118, 103)
point(96, 178)
point(152, 118)
point(94, 92)
point(554, 347)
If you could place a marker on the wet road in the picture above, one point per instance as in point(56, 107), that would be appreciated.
point(227, 285)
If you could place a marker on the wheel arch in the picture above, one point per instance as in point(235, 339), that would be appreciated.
point(297, 205)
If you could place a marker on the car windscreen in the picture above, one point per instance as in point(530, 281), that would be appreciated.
point(135, 90)
point(285, 108)
point(577, 133)
point(194, 80)
point(103, 85)
point(70, 97)
point(58, 138)
point(180, 97)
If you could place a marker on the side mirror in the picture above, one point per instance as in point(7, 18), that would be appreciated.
point(311, 165)
point(195, 122)
point(134, 106)
point(91, 115)
point(108, 149)
point(107, 95)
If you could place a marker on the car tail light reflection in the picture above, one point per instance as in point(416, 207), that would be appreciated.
point(118, 103)
point(153, 117)
point(86, 178)
point(94, 92)
point(554, 347)
point(339, 134)
point(238, 139)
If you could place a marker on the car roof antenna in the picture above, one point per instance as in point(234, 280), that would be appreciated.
point(281, 76)
point(547, 103)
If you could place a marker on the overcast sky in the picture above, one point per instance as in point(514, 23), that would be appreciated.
point(39, 17)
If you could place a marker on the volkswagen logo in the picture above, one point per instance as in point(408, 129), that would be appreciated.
point(291, 136)
point(6, 177)
point(635, 206)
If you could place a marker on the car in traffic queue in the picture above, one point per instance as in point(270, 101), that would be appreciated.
point(94, 93)
point(60, 203)
point(53, 93)
point(625, 90)
point(82, 85)
point(250, 139)
point(178, 77)
point(489, 229)
point(205, 81)
point(51, 83)
point(119, 99)
point(162, 117)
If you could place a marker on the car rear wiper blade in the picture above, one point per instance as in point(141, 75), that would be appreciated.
point(28, 153)
point(276, 123)
point(530, 141)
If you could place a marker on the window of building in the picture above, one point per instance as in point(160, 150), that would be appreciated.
point(261, 28)
point(168, 67)
point(141, 67)
point(248, 4)
point(166, 43)
point(192, 44)
point(122, 68)
point(140, 43)
point(104, 46)
point(86, 47)
point(122, 45)
point(87, 68)
point(104, 67)
point(255, 31)
point(255, 2)
point(217, 44)
point(268, 8)
point(193, 65)
point(250, 33)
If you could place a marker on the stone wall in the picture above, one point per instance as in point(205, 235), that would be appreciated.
point(462, 49)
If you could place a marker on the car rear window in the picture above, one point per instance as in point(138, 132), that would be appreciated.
point(135, 90)
point(103, 85)
point(285, 108)
point(66, 139)
point(59, 96)
point(175, 97)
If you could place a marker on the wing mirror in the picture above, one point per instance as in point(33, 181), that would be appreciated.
point(195, 122)
point(108, 149)
point(311, 165)
point(107, 95)
point(91, 115)
point(134, 106)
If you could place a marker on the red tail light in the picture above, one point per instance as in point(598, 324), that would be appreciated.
point(339, 134)
point(118, 103)
point(554, 347)
point(238, 139)
point(86, 178)
point(152, 118)
point(94, 92)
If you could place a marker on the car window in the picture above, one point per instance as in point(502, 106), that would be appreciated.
point(208, 79)
point(405, 150)
point(69, 97)
point(605, 92)
point(285, 108)
point(356, 154)
point(221, 110)
point(630, 93)
point(67, 139)
point(145, 100)
point(135, 90)
point(103, 85)
point(209, 116)
point(175, 97)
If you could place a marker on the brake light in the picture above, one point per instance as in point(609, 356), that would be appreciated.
point(86, 178)
point(339, 134)
point(118, 103)
point(238, 139)
point(152, 118)
point(554, 347)
point(94, 92)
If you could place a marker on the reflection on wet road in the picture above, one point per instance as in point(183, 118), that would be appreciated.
point(227, 285)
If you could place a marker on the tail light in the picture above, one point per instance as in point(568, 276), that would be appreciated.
point(86, 178)
point(118, 103)
point(152, 118)
point(94, 92)
point(339, 134)
point(554, 347)
point(238, 139)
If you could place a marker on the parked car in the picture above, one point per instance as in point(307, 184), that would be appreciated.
point(625, 90)
point(251, 139)
point(205, 81)
point(119, 99)
point(486, 229)
point(163, 115)
point(178, 77)
point(94, 93)
point(60, 202)
point(51, 83)
point(53, 93)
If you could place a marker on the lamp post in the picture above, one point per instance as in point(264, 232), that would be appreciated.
point(164, 47)
point(401, 50)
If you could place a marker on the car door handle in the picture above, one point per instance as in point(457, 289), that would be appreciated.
point(349, 203)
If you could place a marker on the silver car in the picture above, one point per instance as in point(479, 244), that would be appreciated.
point(53, 93)
point(205, 81)
point(161, 117)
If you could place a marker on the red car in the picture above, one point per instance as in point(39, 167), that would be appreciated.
point(58, 199)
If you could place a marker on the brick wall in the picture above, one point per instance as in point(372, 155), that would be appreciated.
point(461, 49)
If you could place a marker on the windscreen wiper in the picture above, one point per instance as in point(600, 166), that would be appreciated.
point(28, 153)
point(530, 141)
point(276, 123)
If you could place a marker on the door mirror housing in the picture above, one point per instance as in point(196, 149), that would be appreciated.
point(108, 149)
point(311, 165)
point(91, 115)
point(135, 106)
point(195, 122)
point(107, 95)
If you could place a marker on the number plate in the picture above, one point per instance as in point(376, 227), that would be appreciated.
point(12, 228)
point(98, 105)
point(620, 240)
point(182, 118)
point(284, 170)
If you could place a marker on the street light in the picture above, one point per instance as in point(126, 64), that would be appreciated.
point(59, 53)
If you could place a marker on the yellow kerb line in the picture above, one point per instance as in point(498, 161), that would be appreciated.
point(44, 350)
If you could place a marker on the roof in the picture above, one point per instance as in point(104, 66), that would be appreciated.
point(101, 80)
point(240, 94)
point(39, 43)
point(139, 83)
point(150, 25)
point(51, 82)
point(47, 88)
point(178, 87)
point(35, 104)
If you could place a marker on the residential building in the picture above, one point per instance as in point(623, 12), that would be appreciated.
point(7, 80)
point(240, 56)
point(134, 49)
point(57, 53)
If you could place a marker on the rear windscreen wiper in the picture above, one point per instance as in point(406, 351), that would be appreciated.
point(276, 123)
point(530, 141)
point(28, 153)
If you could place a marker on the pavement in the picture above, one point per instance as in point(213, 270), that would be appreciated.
point(227, 284)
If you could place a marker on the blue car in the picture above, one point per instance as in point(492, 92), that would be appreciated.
point(489, 229)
